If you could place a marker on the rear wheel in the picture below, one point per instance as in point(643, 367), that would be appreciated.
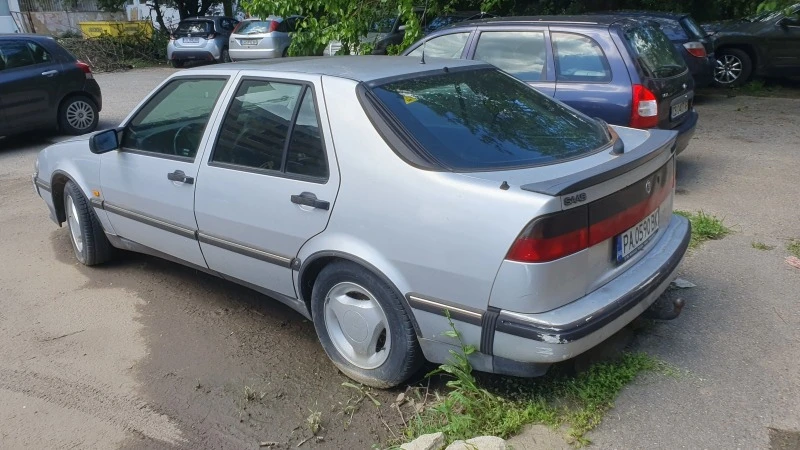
point(363, 326)
point(78, 115)
point(732, 68)
point(86, 233)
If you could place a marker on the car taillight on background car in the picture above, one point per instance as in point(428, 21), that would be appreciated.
point(695, 49)
point(644, 112)
point(86, 70)
point(273, 26)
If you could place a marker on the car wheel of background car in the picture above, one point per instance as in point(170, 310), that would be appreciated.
point(86, 233)
point(176, 63)
point(732, 68)
point(363, 326)
point(225, 56)
point(78, 115)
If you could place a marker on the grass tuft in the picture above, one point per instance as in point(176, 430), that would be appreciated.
point(794, 247)
point(762, 246)
point(704, 227)
point(504, 405)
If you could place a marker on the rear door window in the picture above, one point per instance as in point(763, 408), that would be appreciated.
point(520, 53)
point(654, 51)
point(446, 46)
point(579, 58)
point(15, 54)
point(484, 119)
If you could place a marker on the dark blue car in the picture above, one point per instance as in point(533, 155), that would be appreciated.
point(622, 70)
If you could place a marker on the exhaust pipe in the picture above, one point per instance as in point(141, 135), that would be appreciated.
point(665, 308)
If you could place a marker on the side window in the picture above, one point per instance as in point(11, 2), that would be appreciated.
point(256, 130)
point(520, 53)
point(283, 27)
point(173, 120)
point(579, 58)
point(14, 54)
point(306, 155)
point(446, 46)
point(40, 55)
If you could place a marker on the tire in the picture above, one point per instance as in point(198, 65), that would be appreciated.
point(176, 63)
point(225, 56)
point(732, 68)
point(395, 357)
point(86, 233)
point(78, 115)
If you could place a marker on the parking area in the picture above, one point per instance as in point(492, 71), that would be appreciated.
point(145, 353)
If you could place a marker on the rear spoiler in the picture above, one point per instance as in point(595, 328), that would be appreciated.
point(660, 141)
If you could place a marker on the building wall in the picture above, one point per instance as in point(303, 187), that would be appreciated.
point(59, 22)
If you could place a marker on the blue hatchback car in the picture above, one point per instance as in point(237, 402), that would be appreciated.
point(619, 69)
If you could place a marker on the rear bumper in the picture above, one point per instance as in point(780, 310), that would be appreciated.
point(686, 131)
point(702, 71)
point(521, 340)
point(240, 54)
point(192, 55)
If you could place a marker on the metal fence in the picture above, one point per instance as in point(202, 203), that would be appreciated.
point(58, 5)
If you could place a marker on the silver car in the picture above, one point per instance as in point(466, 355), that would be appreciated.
point(200, 39)
point(376, 195)
point(262, 39)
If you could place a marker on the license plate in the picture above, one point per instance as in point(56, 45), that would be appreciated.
point(679, 109)
point(249, 41)
point(191, 40)
point(635, 237)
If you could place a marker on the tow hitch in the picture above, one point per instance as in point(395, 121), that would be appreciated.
point(665, 308)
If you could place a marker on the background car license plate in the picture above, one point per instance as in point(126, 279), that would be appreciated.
point(249, 41)
point(679, 109)
point(189, 40)
point(635, 237)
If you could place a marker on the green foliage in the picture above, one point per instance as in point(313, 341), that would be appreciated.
point(704, 227)
point(794, 247)
point(762, 246)
point(506, 404)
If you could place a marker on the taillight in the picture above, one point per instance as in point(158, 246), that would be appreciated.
point(87, 71)
point(211, 35)
point(552, 237)
point(695, 49)
point(273, 26)
point(644, 113)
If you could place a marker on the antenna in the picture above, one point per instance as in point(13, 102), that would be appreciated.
point(424, 14)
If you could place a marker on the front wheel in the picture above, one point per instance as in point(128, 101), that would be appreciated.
point(363, 326)
point(78, 115)
point(86, 233)
point(732, 68)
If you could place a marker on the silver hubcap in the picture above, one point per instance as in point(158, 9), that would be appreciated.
point(74, 225)
point(80, 115)
point(728, 69)
point(357, 325)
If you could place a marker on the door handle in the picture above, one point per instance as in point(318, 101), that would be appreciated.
point(49, 73)
point(309, 199)
point(179, 176)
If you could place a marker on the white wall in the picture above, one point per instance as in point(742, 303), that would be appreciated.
point(7, 24)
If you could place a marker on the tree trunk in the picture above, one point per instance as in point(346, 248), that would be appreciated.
point(227, 6)
point(155, 6)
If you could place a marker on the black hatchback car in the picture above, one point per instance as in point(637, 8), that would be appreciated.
point(622, 70)
point(43, 86)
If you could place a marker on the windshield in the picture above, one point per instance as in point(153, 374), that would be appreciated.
point(471, 120)
point(655, 52)
point(254, 27)
point(194, 27)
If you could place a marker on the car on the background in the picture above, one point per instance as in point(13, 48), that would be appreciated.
point(765, 44)
point(689, 38)
point(337, 186)
point(201, 39)
point(620, 69)
point(262, 38)
point(43, 86)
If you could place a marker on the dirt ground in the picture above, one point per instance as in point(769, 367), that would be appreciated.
point(144, 353)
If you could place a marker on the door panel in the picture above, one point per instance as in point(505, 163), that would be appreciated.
point(783, 47)
point(29, 83)
point(270, 151)
point(148, 186)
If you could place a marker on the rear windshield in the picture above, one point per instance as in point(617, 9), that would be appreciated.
point(655, 52)
point(471, 120)
point(696, 31)
point(194, 27)
point(254, 27)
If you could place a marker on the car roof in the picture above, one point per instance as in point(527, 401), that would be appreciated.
point(357, 68)
point(38, 37)
point(598, 20)
point(637, 13)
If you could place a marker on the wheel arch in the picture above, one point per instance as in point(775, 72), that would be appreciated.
point(58, 182)
point(316, 262)
point(755, 58)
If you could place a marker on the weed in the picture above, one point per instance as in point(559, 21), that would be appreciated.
point(314, 421)
point(506, 404)
point(794, 247)
point(704, 227)
point(762, 246)
point(252, 395)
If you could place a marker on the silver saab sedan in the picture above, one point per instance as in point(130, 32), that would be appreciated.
point(378, 195)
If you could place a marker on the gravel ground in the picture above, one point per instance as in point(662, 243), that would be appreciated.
point(143, 353)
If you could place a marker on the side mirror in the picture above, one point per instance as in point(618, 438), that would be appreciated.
point(104, 142)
